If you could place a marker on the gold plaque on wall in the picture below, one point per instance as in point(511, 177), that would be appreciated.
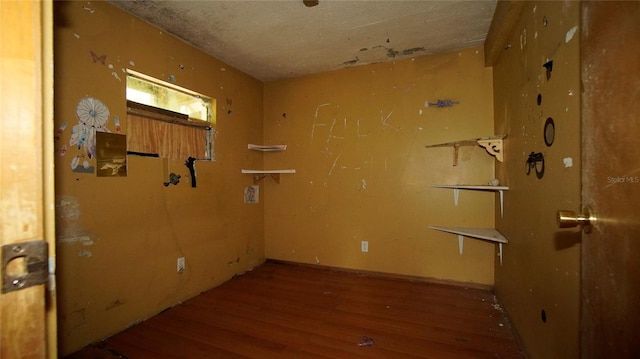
point(111, 154)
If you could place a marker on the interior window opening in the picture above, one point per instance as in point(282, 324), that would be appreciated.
point(168, 121)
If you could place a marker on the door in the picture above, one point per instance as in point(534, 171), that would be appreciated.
point(610, 298)
point(27, 318)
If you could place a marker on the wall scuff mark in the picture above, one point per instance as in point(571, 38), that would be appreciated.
point(568, 162)
point(114, 304)
point(570, 33)
point(384, 120)
point(441, 103)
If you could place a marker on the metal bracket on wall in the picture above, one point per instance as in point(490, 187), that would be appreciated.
point(24, 264)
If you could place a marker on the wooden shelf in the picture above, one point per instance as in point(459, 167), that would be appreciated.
point(487, 234)
point(492, 144)
point(259, 175)
point(456, 192)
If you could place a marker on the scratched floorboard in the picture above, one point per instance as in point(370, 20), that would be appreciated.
point(281, 310)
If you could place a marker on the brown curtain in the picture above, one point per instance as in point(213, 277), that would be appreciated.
point(168, 140)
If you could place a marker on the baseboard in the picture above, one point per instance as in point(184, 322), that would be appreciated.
point(514, 332)
point(410, 278)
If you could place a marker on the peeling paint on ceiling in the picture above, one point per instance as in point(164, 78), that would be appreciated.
point(271, 39)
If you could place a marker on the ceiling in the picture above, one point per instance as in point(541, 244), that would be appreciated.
point(276, 39)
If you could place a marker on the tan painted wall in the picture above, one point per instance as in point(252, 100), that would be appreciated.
point(356, 138)
point(541, 270)
point(119, 238)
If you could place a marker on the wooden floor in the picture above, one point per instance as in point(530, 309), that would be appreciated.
point(282, 310)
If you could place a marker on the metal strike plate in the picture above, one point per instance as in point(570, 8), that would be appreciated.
point(24, 265)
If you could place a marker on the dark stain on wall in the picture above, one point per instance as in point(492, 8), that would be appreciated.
point(405, 52)
point(391, 52)
point(351, 62)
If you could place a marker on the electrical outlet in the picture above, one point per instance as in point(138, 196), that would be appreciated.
point(180, 265)
point(364, 246)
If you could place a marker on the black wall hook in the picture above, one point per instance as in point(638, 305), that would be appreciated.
point(535, 160)
point(191, 163)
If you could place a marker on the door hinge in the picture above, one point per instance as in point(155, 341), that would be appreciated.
point(24, 264)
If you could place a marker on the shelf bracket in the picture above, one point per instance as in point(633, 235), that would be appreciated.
point(260, 177)
point(461, 247)
point(492, 144)
point(457, 188)
point(456, 147)
point(494, 147)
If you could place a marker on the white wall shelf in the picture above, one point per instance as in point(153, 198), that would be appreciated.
point(267, 148)
point(493, 145)
point(487, 234)
point(456, 191)
point(259, 175)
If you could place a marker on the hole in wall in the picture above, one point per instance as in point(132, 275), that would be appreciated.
point(548, 68)
point(310, 3)
point(549, 132)
point(543, 316)
point(539, 100)
point(545, 22)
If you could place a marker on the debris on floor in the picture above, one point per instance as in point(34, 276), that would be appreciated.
point(366, 342)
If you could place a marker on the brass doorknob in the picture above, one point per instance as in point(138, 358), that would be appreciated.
point(570, 219)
